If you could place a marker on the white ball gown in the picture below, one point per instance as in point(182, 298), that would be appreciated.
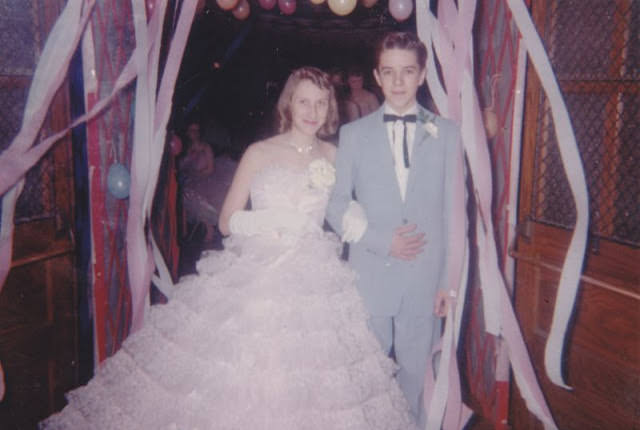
point(270, 334)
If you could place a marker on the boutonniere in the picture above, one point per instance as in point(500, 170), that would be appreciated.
point(428, 124)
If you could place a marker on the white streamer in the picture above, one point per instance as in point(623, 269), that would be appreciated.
point(572, 267)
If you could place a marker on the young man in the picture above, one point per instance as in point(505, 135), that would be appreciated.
point(397, 163)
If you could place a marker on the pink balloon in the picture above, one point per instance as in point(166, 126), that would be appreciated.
point(267, 4)
point(150, 4)
point(400, 9)
point(241, 11)
point(227, 4)
point(287, 7)
point(176, 145)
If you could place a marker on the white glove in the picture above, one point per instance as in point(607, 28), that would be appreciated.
point(267, 221)
point(354, 223)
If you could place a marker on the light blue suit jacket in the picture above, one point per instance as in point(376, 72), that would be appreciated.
point(365, 169)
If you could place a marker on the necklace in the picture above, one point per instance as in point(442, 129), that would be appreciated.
point(301, 149)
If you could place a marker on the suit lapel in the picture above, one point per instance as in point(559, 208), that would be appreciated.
point(379, 137)
point(423, 140)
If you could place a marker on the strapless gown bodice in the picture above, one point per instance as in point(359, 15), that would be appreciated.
point(278, 187)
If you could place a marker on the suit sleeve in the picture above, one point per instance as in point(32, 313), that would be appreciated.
point(454, 156)
point(342, 191)
point(376, 239)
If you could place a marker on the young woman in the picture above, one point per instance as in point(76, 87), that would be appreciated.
point(271, 333)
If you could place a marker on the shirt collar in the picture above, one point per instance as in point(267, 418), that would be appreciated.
point(412, 110)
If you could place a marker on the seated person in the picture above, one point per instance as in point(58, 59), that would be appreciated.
point(196, 170)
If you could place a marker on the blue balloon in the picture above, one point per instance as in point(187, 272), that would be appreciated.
point(118, 181)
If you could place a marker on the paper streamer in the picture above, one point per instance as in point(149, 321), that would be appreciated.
point(48, 76)
point(138, 252)
point(572, 267)
point(450, 38)
point(152, 114)
point(18, 158)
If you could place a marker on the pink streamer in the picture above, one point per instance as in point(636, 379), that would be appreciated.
point(462, 105)
point(151, 118)
point(137, 249)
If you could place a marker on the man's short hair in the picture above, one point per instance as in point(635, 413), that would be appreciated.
point(402, 40)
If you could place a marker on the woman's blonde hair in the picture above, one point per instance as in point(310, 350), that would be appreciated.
point(319, 79)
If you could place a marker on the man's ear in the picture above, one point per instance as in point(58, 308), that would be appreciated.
point(423, 75)
point(376, 75)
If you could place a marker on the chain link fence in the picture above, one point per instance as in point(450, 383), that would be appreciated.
point(19, 50)
point(594, 47)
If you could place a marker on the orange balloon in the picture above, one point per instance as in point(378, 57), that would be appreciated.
point(317, 1)
point(342, 7)
point(369, 3)
point(227, 4)
point(241, 11)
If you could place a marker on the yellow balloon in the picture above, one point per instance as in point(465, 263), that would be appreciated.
point(317, 1)
point(342, 7)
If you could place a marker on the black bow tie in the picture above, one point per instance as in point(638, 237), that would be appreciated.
point(406, 118)
point(387, 117)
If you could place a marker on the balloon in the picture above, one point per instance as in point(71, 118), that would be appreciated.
point(369, 3)
point(490, 122)
point(317, 1)
point(267, 4)
point(175, 144)
point(199, 7)
point(342, 7)
point(227, 4)
point(2, 384)
point(287, 6)
point(150, 5)
point(118, 181)
point(241, 11)
point(400, 9)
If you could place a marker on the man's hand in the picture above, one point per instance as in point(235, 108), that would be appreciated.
point(441, 305)
point(406, 244)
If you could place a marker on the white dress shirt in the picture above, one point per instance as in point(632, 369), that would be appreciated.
point(395, 132)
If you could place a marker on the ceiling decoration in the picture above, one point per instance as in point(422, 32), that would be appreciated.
point(312, 18)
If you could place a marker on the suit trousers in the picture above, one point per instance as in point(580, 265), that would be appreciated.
point(409, 337)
